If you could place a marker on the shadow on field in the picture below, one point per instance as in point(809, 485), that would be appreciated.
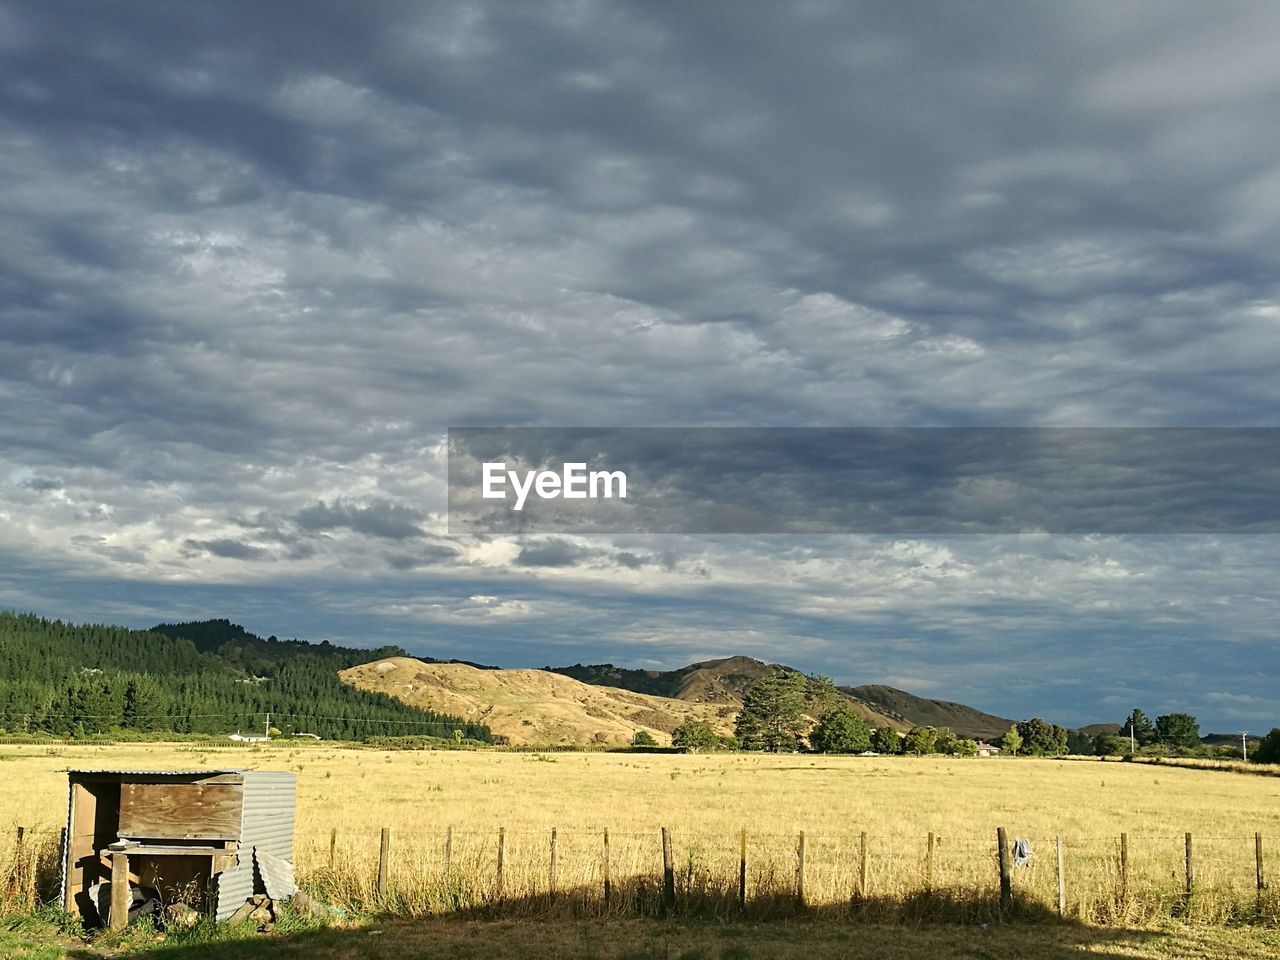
point(536, 929)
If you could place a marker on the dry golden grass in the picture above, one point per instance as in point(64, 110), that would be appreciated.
point(534, 706)
point(705, 801)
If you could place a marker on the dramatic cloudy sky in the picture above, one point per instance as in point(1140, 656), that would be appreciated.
point(256, 258)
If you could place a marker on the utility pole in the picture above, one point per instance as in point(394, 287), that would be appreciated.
point(266, 731)
point(1133, 743)
point(1244, 744)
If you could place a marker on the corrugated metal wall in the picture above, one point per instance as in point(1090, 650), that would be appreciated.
point(270, 801)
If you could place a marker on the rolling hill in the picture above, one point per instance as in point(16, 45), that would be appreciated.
point(535, 707)
point(920, 711)
point(723, 682)
point(711, 681)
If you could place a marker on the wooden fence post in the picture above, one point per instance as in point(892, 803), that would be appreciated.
point(1257, 859)
point(608, 882)
point(1124, 870)
point(668, 872)
point(551, 876)
point(120, 897)
point(928, 865)
point(384, 856)
point(1062, 881)
point(502, 858)
point(1002, 855)
point(448, 849)
point(333, 846)
point(862, 866)
point(742, 871)
point(1191, 876)
point(800, 870)
point(15, 874)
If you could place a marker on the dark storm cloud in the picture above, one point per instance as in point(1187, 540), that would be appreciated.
point(255, 258)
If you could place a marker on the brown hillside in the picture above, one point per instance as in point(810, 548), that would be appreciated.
point(921, 711)
point(727, 680)
point(534, 707)
point(721, 681)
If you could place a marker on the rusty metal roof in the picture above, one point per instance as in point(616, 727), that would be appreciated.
point(207, 772)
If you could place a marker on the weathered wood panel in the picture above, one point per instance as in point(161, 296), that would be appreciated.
point(180, 811)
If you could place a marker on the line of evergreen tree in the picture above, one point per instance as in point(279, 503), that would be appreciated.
point(65, 679)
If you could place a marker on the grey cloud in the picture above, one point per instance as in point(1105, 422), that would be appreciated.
point(553, 552)
point(378, 518)
point(231, 549)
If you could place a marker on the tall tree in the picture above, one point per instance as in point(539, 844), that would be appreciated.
point(822, 695)
point(1040, 738)
point(1011, 742)
point(1268, 750)
point(886, 740)
point(772, 716)
point(1140, 725)
point(143, 704)
point(1178, 730)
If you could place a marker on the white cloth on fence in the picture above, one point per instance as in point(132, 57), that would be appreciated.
point(1021, 852)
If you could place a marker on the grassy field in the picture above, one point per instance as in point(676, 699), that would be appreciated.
point(706, 801)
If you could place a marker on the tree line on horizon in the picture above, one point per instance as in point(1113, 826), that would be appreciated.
point(67, 680)
point(788, 711)
point(1177, 734)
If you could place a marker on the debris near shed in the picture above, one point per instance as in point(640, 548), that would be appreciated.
point(263, 911)
point(260, 910)
point(180, 916)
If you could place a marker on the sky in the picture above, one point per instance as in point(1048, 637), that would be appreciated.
point(256, 259)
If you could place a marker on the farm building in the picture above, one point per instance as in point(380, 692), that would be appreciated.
point(208, 837)
point(249, 737)
point(987, 750)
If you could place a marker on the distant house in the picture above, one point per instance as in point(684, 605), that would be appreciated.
point(987, 750)
point(249, 737)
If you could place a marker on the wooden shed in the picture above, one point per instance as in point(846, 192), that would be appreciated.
point(207, 836)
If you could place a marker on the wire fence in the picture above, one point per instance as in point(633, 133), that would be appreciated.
point(1091, 878)
point(598, 872)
